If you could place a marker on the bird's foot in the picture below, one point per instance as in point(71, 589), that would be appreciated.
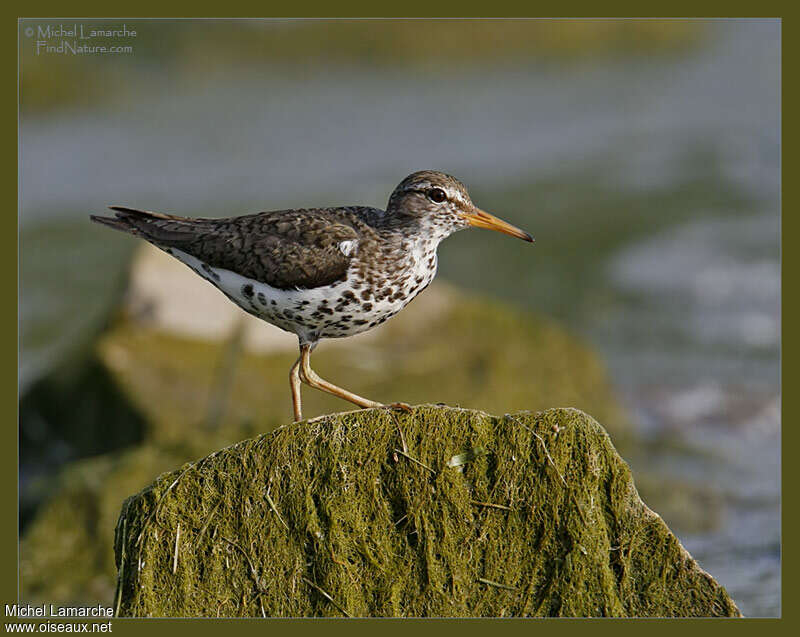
point(400, 407)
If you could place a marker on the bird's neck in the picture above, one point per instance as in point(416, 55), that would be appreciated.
point(425, 233)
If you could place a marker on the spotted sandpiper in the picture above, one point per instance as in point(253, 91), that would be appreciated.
point(321, 272)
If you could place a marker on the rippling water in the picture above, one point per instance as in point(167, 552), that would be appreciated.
point(651, 185)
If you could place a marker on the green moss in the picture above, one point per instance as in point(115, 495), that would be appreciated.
point(367, 513)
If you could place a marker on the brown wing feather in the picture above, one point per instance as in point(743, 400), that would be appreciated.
point(284, 249)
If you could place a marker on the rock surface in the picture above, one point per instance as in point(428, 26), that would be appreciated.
point(438, 512)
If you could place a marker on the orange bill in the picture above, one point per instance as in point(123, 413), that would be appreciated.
point(481, 219)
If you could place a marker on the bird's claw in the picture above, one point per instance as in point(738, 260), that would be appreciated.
point(400, 407)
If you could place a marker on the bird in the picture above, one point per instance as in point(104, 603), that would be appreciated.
point(321, 272)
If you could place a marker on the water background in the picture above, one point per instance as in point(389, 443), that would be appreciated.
point(651, 184)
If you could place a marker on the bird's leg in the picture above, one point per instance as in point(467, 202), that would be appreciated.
point(310, 377)
point(294, 383)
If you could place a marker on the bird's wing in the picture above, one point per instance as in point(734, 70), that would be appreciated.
point(285, 249)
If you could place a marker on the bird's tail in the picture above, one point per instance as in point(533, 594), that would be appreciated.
point(153, 226)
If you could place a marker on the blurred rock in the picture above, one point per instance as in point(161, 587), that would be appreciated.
point(65, 554)
point(64, 417)
point(441, 512)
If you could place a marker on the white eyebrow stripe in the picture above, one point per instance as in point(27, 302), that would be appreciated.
point(453, 193)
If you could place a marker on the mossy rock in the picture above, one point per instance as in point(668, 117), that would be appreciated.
point(438, 512)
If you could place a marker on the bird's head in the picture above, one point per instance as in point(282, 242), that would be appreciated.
point(439, 201)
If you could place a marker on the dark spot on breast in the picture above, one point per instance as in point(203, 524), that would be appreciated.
point(398, 295)
point(247, 290)
point(273, 302)
point(366, 307)
point(302, 302)
point(431, 262)
point(347, 294)
point(288, 314)
point(365, 294)
point(419, 279)
point(360, 322)
point(324, 309)
point(262, 299)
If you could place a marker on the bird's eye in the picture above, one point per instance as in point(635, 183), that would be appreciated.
point(437, 195)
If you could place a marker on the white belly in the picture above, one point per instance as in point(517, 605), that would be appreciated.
point(334, 311)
